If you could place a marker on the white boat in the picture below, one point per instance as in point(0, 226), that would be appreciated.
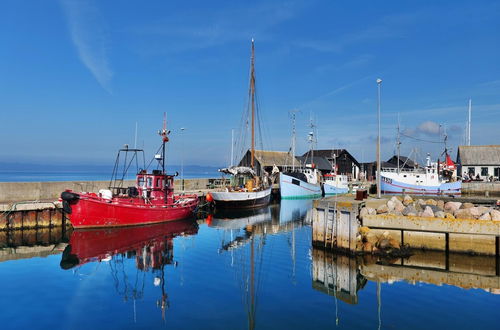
point(420, 181)
point(334, 184)
point(300, 184)
point(247, 189)
point(303, 182)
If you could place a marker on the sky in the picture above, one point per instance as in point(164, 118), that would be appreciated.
point(77, 77)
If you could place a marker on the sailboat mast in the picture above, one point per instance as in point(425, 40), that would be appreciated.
point(252, 95)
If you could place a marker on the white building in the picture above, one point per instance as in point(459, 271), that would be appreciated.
point(479, 162)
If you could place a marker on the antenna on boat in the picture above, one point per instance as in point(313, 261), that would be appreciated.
point(164, 137)
point(135, 140)
point(292, 115)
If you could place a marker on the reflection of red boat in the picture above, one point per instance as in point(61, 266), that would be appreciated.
point(98, 244)
point(152, 200)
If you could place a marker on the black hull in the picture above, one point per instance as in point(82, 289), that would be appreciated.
point(246, 204)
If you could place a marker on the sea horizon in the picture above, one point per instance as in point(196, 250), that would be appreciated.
point(25, 172)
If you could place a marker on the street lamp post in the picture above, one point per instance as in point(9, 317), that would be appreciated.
point(379, 82)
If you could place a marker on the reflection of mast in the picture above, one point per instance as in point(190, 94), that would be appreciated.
point(379, 304)
point(251, 314)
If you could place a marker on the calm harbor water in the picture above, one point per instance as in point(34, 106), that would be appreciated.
point(232, 271)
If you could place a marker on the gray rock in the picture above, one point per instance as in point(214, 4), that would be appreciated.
point(409, 209)
point(440, 204)
point(440, 214)
point(435, 208)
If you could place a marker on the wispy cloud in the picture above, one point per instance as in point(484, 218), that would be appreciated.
point(201, 31)
point(89, 36)
point(335, 91)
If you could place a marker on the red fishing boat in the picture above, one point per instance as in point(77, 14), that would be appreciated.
point(151, 200)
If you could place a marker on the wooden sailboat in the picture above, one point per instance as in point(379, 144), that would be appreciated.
point(248, 190)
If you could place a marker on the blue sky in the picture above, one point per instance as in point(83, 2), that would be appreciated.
point(76, 76)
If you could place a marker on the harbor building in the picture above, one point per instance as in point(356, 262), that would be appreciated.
point(346, 163)
point(266, 160)
point(479, 162)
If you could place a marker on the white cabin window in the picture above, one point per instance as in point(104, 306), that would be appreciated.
point(484, 171)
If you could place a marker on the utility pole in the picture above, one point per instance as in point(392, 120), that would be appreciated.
point(379, 195)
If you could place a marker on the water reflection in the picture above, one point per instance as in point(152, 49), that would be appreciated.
point(343, 276)
point(151, 247)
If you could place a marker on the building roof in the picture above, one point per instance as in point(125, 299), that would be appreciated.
point(479, 155)
point(321, 163)
point(403, 160)
point(278, 158)
point(327, 153)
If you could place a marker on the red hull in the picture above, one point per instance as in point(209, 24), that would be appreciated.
point(98, 244)
point(90, 211)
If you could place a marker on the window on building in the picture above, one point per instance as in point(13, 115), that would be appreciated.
point(497, 172)
point(484, 171)
point(471, 171)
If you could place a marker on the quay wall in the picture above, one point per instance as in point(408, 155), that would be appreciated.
point(481, 188)
point(43, 191)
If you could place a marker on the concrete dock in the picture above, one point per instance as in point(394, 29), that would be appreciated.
point(338, 225)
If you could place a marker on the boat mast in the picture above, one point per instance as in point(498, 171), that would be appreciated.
point(252, 95)
point(469, 122)
point(398, 144)
point(293, 138)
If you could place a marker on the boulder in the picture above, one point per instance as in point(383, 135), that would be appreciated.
point(440, 204)
point(382, 209)
point(363, 212)
point(368, 247)
point(428, 212)
point(485, 216)
point(395, 199)
point(371, 238)
point(430, 202)
point(495, 215)
point(421, 202)
point(476, 212)
point(390, 205)
point(364, 230)
point(410, 210)
point(399, 207)
point(435, 208)
point(463, 214)
point(383, 244)
point(393, 243)
point(407, 200)
point(440, 214)
point(467, 205)
point(449, 216)
point(371, 211)
point(452, 206)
